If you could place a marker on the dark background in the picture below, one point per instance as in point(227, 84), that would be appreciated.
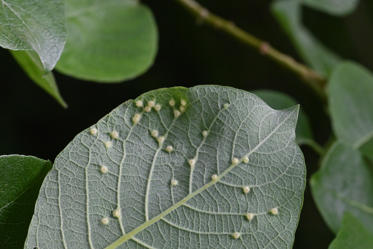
point(32, 123)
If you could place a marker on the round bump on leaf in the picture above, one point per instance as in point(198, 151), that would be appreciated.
point(274, 211)
point(104, 169)
point(93, 131)
point(136, 118)
point(236, 235)
point(114, 134)
point(169, 148)
point(105, 221)
point(108, 144)
point(174, 182)
point(246, 189)
point(139, 103)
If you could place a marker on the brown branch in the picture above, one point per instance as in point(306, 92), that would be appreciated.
point(308, 76)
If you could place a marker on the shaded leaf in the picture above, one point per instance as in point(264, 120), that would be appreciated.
point(314, 53)
point(278, 100)
point(20, 180)
point(343, 184)
point(353, 235)
point(109, 41)
point(37, 25)
point(333, 7)
point(351, 101)
point(31, 64)
point(205, 167)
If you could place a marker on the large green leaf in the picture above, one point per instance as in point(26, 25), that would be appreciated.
point(20, 180)
point(205, 167)
point(353, 235)
point(37, 25)
point(109, 41)
point(344, 184)
point(334, 7)
point(351, 101)
point(280, 100)
point(31, 64)
point(289, 15)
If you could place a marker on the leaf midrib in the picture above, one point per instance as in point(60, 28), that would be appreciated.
point(146, 224)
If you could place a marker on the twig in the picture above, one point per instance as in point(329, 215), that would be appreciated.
point(308, 76)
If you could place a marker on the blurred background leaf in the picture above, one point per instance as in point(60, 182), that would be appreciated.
point(109, 41)
point(20, 180)
point(351, 101)
point(353, 234)
point(30, 63)
point(343, 184)
point(333, 7)
point(289, 15)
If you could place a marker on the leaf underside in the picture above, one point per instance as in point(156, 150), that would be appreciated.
point(278, 100)
point(37, 25)
point(118, 184)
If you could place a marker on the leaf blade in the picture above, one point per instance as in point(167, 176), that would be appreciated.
point(338, 8)
point(343, 184)
point(353, 234)
point(37, 25)
point(350, 106)
point(20, 180)
point(117, 44)
point(31, 64)
point(140, 149)
point(313, 52)
point(278, 100)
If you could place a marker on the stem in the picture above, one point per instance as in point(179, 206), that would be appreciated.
point(308, 76)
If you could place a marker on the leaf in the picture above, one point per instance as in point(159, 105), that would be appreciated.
point(351, 101)
point(352, 235)
point(20, 180)
point(333, 7)
point(220, 169)
point(280, 100)
point(314, 53)
point(31, 64)
point(109, 41)
point(343, 184)
point(37, 25)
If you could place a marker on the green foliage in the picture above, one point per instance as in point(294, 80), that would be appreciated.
point(352, 235)
point(289, 15)
point(205, 167)
point(30, 62)
point(344, 184)
point(20, 180)
point(109, 41)
point(280, 100)
point(37, 25)
point(351, 101)
point(339, 7)
point(215, 165)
